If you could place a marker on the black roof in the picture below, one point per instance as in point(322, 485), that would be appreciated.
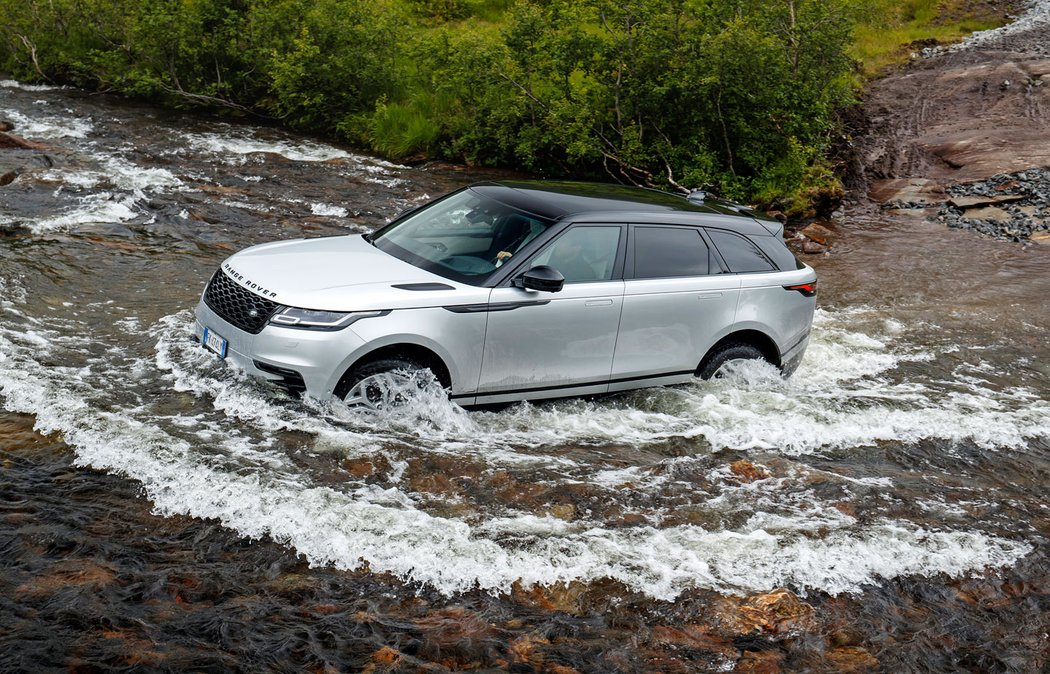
point(555, 200)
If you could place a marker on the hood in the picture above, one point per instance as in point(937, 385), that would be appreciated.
point(340, 273)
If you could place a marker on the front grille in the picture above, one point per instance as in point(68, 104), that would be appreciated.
point(238, 306)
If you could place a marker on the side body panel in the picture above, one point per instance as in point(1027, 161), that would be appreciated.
point(784, 315)
point(456, 337)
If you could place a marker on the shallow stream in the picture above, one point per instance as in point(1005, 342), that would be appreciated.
point(175, 514)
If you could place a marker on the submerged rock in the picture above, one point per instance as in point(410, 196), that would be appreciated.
point(776, 613)
point(12, 142)
point(747, 471)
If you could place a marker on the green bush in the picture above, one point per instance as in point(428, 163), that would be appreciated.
point(736, 95)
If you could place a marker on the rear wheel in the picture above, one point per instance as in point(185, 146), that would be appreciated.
point(727, 353)
point(383, 383)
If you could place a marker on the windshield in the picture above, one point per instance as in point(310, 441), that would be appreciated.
point(464, 236)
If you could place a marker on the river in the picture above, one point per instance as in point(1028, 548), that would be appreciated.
point(160, 511)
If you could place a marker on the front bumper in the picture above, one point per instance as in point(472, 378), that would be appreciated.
point(281, 355)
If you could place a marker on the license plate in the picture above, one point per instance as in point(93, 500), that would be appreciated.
point(214, 342)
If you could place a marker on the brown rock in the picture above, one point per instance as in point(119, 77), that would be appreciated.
point(222, 189)
point(563, 511)
point(10, 142)
point(817, 231)
point(434, 484)
point(760, 662)
point(694, 637)
point(747, 471)
point(555, 668)
point(523, 649)
point(325, 609)
point(386, 657)
point(778, 216)
point(359, 467)
point(6, 125)
point(976, 202)
point(812, 247)
point(8, 178)
point(778, 612)
point(989, 213)
point(629, 520)
point(454, 624)
point(65, 574)
point(910, 190)
point(846, 508)
point(567, 597)
point(852, 659)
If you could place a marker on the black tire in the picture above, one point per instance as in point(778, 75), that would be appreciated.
point(354, 394)
point(725, 353)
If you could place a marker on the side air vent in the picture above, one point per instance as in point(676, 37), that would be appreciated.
point(422, 286)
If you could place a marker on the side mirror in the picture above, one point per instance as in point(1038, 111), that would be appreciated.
point(543, 278)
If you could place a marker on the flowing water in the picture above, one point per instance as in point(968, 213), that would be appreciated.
point(167, 512)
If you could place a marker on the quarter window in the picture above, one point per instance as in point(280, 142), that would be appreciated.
point(741, 255)
point(667, 252)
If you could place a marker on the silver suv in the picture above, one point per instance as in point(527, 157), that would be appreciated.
point(516, 291)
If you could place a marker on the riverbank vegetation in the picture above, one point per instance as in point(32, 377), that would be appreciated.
point(739, 96)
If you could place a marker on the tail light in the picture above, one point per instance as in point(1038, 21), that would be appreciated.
point(807, 289)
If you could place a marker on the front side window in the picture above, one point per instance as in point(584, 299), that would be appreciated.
point(669, 252)
point(464, 236)
point(740, 255)
point(584, 253)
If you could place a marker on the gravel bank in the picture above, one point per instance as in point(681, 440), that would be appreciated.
point(1008, 206)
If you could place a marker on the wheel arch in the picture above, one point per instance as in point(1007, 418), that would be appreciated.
point(756, 338)
point(411, 351)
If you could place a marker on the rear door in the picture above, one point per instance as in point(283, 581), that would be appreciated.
point(676, 302)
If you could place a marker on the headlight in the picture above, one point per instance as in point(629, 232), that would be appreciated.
point(310, 319)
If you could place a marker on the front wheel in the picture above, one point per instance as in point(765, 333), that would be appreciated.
point(383, 383)
point(714, 364)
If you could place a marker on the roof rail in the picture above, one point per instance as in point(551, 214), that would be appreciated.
point(696, 197)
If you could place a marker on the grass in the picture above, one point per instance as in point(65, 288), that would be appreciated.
point(895, 29)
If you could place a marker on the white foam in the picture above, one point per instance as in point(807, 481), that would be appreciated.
point(329, 527)
point(47, 127)
point(116, 173)
point(843, 396)
point(240, 144)
point(12, 84)
point(98, 208)
point(252, 487)
point(329, 210)
point(116, 186)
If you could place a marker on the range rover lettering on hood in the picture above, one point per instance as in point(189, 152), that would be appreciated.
point(247, 283)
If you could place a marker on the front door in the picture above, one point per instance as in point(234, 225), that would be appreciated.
point(541, 344)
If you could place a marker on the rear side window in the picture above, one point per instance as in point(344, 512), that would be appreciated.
point(741, 255)
point(666, 252)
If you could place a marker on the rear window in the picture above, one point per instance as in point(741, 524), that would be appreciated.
point(666, 252)
point(739, 253)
